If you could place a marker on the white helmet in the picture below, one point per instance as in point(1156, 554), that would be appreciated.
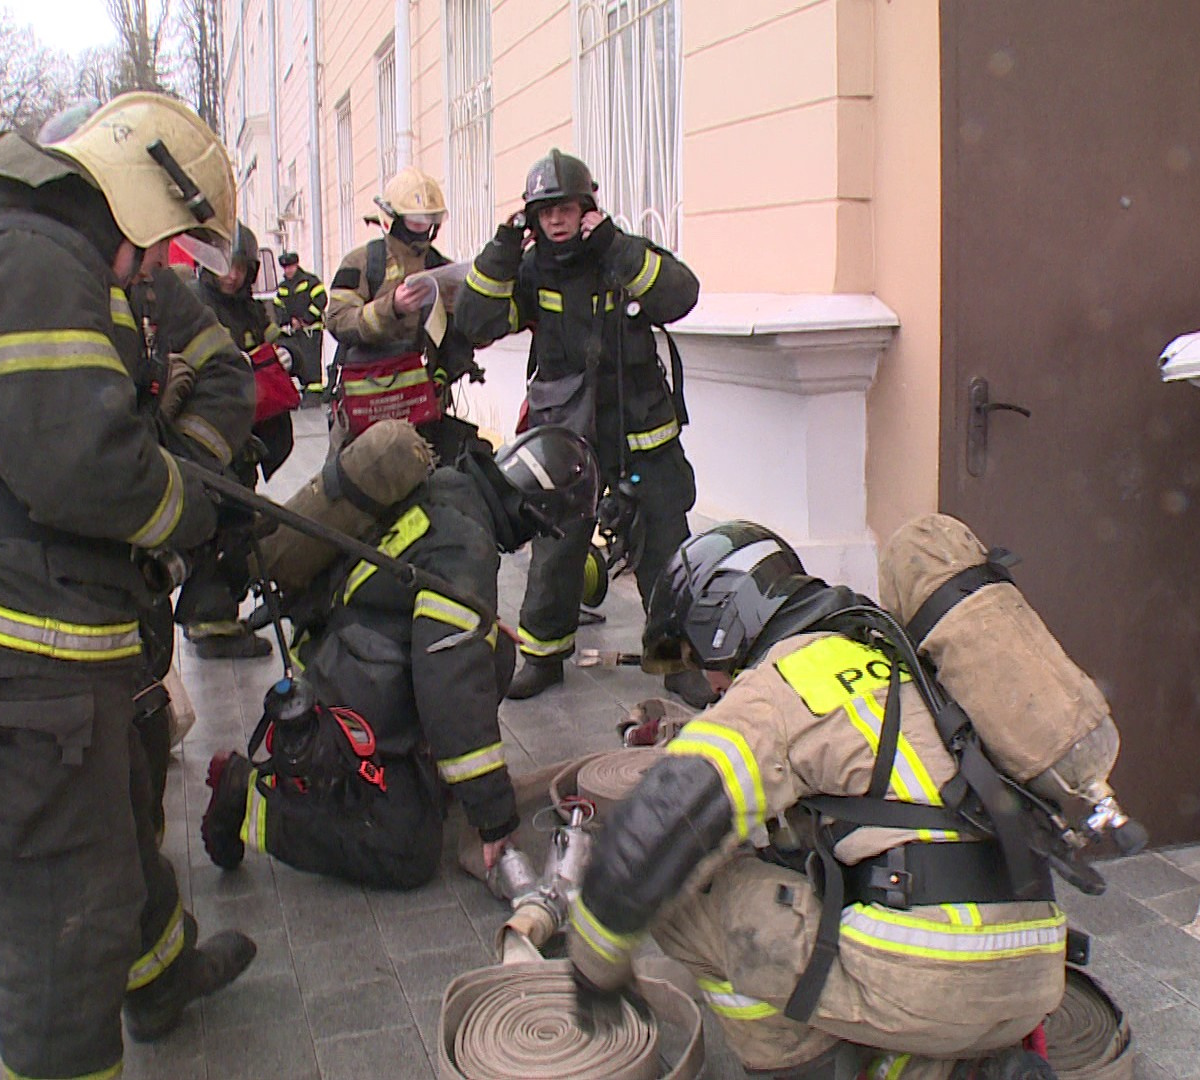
point(162, 170)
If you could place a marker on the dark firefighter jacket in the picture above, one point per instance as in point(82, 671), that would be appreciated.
point(302, 297)
point(577, 309)
point(373, 653)
point(365, 323)
point(84, 480)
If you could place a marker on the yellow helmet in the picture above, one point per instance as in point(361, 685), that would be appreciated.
point(162, 170)
point(412, 192)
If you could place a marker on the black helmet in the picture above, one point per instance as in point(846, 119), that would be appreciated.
point(245, 247)
point(555, 473)
point(716, 594)
point(289, 258)
point(559, 176)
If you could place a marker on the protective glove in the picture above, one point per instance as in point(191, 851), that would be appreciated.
point(180, 381)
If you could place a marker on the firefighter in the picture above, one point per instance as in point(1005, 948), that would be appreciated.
point(91, 916)
point(376, 315)
point(207, 607)
point(300, 309)
point(592, 295)
point(425, 673)
point(921, 950)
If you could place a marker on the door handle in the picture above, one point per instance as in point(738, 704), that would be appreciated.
point(981, 405)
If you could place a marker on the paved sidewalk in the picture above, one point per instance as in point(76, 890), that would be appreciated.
point(348, 981)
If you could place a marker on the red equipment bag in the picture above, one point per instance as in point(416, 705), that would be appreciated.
point(274, 391)
point(396, 388)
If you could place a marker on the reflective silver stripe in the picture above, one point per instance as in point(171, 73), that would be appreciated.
point(550, 300)
point(651, 265)
point(612, 946)
point(532, 646)
point(161, 956)
point(57, 350)
point(534, 466)
point(649, 440)
point(68, 641)
point(432, 605)
point(205, 345)
point(253, 832)
point(729, 753)
point(488, 286)
point(361, 387)
point(197, 428)
point(722, 999)
point(162, 522)
point(909, 935)
point(118, 305)
point(469, 766)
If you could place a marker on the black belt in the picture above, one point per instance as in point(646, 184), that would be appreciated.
point(917, 874)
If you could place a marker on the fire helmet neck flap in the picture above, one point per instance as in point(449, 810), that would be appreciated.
point(716, 595)
point(161, 169)
point(556, 177)
point(555, 474)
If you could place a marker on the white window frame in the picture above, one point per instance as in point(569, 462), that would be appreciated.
point(470, 177)
point(345, 171)
point(387, 131)
point(628, 109)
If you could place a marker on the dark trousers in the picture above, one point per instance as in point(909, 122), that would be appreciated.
point(305, 347)
point(84, 892)
point(392, 839)
point(550, 611)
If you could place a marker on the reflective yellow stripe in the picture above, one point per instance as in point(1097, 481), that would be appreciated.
point(411, 526)
point(302, 286)
point(532, 646)
point(104, 1074)
point(469, 766)
point(57, 350)
point(253, 832)
point(514, 317)
point(118, 305)
point(650, 440)
point(963, 914)
point(488, 286)
point(730, 755)
point(205, 345)
point(608, 303)
point(361, 387)
point(432, 605)
point(68, 641)
point(162, 954)
point(372, 315)
point(347, 296)
point(314, 310)
point(908, 935)
point(549, 300)
point(393, 272)
point(613, 947)
point(722, 999)
point(197, 428)
point(318, 289)
point(647, 275)
point(160, 524)
point(888, 1067)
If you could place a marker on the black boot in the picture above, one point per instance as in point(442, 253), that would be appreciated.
point(221, 826)
point(692, 686)
point(533, 678)
point(233, 641)
point(154, 1010)
point(1009, 1065)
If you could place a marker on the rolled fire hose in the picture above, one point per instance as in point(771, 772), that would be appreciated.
point(605, 779)
point(518, 1023)
point(1087, 1037)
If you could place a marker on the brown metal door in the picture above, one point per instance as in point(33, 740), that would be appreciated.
point(1071, 232)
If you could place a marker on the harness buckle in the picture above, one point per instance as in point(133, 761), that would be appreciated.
point(893, 880)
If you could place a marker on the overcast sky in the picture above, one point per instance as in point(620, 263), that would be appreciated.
point(67, 25)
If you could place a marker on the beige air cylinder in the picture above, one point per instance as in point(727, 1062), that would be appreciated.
point(1042, 720)
point(386, 463)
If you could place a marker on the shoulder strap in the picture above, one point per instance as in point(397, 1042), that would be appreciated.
point(954, 591)
point(681, 413)
point(376, 264)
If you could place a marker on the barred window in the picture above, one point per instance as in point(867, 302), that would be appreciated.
point(345, 174)
point(385, 87)
point(629, 90)
point(469, 100)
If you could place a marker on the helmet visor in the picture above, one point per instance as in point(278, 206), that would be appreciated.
point(420, 223)
point(212, 252)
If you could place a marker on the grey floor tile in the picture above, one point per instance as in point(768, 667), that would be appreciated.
point(1178, 908)
point(1114, 912)
point(397, 1054)
point(254, 999)
point(428, 931)
point(1145, 876)
point(342, 963)
point(178, 1051)
point(266, 1051)
point(426, 975)
point(358, 1009)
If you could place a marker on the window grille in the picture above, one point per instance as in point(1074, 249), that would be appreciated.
point(345, 175)
point(629, 89)
point(469, 94)
point(385, 87)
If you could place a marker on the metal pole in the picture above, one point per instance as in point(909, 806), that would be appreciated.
point(273, 222)
point(316, 194)
point(403, 51)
